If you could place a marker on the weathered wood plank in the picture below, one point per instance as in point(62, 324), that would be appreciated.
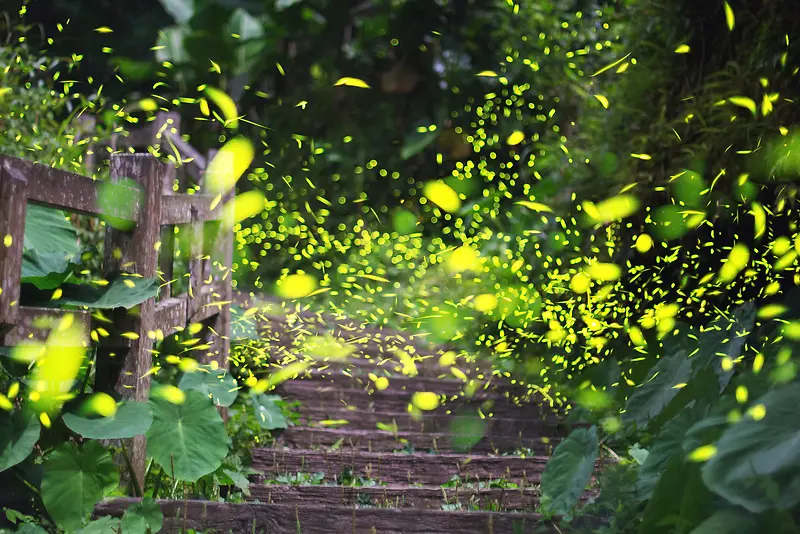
point(13, 196)
point(358, 378)
point(317, 395)
point(311, 519)
point(385, 441)
point(177, 208)
point(69, 191)
point(401, 468)
point(397, 496)
point(524, 425)
point(125, 367)
point(170, 314)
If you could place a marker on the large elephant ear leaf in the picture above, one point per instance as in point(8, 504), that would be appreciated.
point(268, 413)
point(189, 438)
point(650, 399)
point(569, 470)
point(132, 419)
point(756, 461)
point(18, 435)
point(48, 230)
point(144, 516)
point(217, 384)
point(74, 480)
point(45, 270)
point(122, 292)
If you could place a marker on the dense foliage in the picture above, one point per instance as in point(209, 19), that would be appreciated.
point(599, 198)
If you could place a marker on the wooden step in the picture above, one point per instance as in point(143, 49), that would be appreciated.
point(522, 424)
point(398, 496)
point(384, 441)
point(359, 379)
point(256, 518)
point(398, 467)
point(316, 395)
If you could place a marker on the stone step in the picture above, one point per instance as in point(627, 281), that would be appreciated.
point(259, 518)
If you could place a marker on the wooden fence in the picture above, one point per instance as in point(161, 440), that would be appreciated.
point(148, 249)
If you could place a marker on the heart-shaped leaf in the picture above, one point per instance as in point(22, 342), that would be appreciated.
point(215, 383)
point(123, 292)
point(102, 525)
point(74, 480)
point(756, 461)
point(569, 470)
point(47, 230)
point(674, 368)
point(132, 419)
point(18, 435)
point(269, 414)
point(189, 437)
point(45, 270)
point(144, 516)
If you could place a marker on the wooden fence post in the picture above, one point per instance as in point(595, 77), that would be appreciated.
point(13, 202)
point(134, 252)
point(220, 252)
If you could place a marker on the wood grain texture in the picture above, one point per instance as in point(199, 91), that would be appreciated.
point(397, 496)
point(400, 468)
point(521, 425)
point(313, 519)
point(14, 197)
point(384, 441)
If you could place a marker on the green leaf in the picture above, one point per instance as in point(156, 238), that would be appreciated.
point(724, 337)
point(269, 414)
point(74, 480)
point(142, 517)
point(117, 294)
point(679, 497)
point(30, 528)
point(666, 446)
point(638, 454)
point(18, 435)
point(728, 521)
point(239, 480)
point(674, 368)
point(251, 39)
point(417, 141)
point(569, 470)
point(189, 436)
point(45, 270)
point(103, 525)
point(132, 419)
point(757, 463)
point(171, 45)
point(215, 383)
point(48, 230)
point(181, 10)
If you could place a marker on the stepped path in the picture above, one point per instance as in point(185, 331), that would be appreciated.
point(362, 458)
